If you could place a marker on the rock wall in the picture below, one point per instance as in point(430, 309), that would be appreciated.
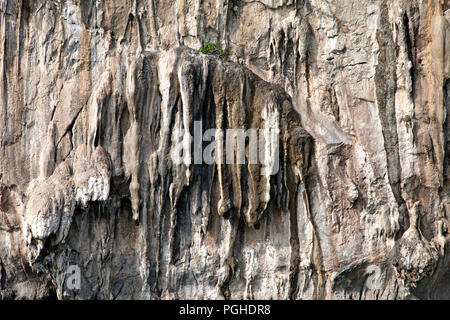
point(96, 98)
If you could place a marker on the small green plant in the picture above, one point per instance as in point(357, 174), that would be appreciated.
point(213, 48)
point(209, 48)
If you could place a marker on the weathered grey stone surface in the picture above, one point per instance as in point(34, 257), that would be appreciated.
point(93, 95)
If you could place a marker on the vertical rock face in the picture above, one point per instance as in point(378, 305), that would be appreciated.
point(100, 102)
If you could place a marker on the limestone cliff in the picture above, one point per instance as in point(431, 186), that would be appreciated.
point(96, 98)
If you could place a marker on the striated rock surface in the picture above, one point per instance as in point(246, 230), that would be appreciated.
point(96, 98)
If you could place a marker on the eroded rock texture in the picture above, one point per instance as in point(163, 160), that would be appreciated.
point(96, 95)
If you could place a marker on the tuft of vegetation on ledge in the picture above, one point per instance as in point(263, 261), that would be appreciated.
point(213, 48)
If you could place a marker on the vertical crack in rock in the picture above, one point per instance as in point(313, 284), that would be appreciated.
point(385, 93)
